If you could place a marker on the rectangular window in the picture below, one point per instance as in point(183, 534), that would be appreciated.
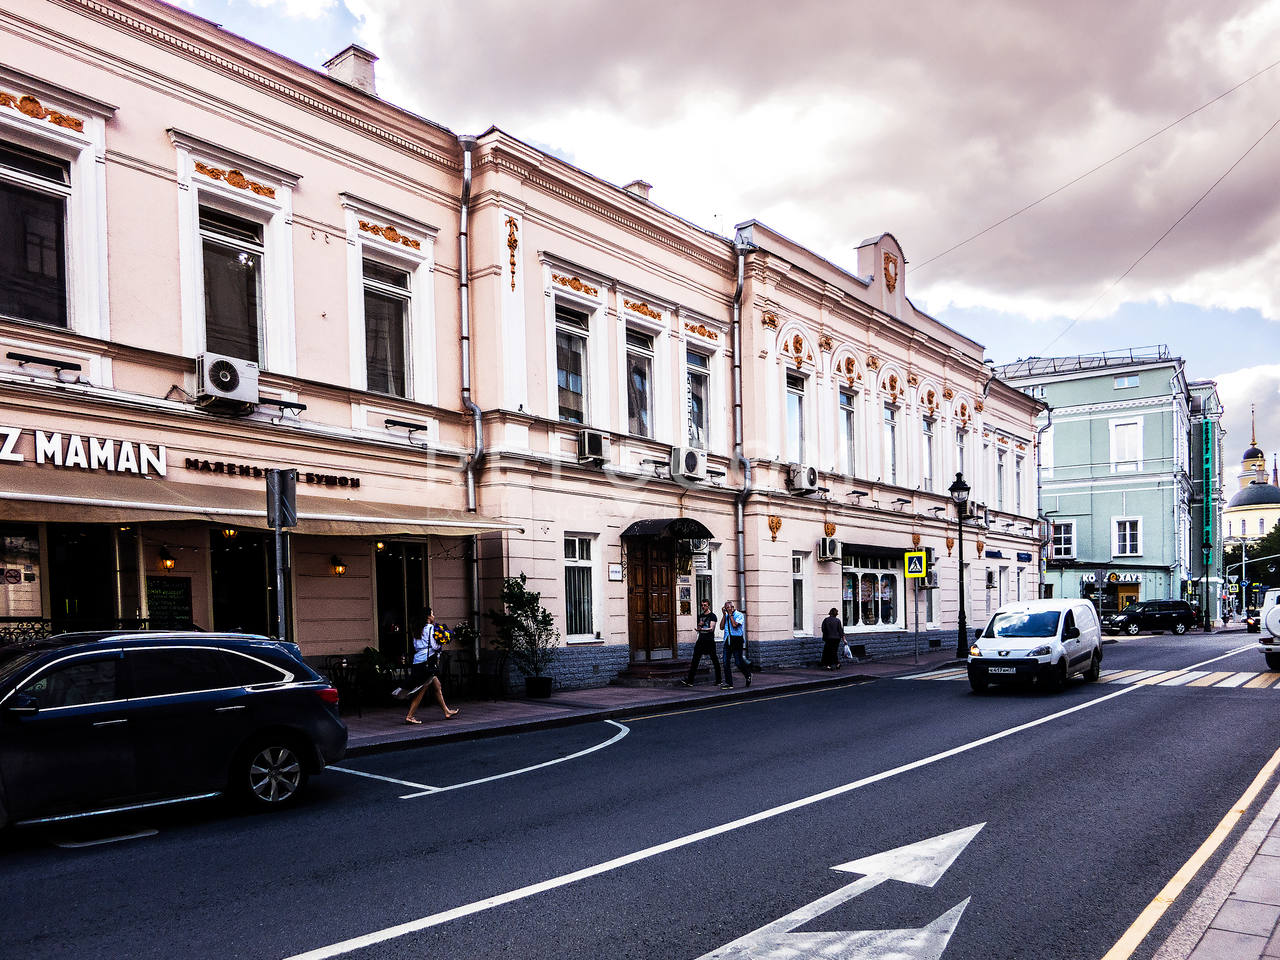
point(1128, 380)
point(999, 479)
point(232, 250)
point(962, 436)
point(797, 592)
point(699, 384)
point(34, 192)
point(386, 327)
point(1017, 484)
point(871, 592)
point(639, 383)
point(795, 417)
point(571, 363)
point(890, 444)
point(848, 430)
point(1064, 540)
point(578, 617)
point(926, 465)
point(1126, 446)
point(1128, 542)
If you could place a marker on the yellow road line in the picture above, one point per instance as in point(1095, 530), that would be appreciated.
point(1119, 675)
point(1138, 931)
point(1159, 678)
point(1262, 680)
point(1210, 680)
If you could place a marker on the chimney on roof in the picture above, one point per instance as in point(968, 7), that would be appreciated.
point(354, 67)
point(639, 188)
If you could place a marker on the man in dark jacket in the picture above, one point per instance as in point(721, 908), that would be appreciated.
point(706, 644)
point(832, 634)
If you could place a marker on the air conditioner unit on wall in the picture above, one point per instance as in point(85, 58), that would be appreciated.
point(829, 549)
point(688, 463)
point(991, 579)
point(225, 381)
point(593, 446)
point(802, 479)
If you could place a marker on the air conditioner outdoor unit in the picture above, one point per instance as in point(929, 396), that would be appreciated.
point(802, 479)
point(978, 514)
point(688, 463)
point(225, 381)
point(828, 549)
point(930, 581)
point(991, 579)
point(593, 446)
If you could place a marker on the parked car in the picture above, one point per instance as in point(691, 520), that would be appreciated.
point(94, 723)
point(1252, 620)
point(1268, 615)
point(1047, 641)
point(1176, 616)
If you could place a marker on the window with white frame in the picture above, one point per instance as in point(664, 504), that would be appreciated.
point(962, 438)
point(699, 388)
point(1000, 458)
point(572, 328)
point(579, 617)
point(232, 253)
point(849, 430)
point(35, 192)
point(1127, 537)
point(1126, 446)
point(387, 297)
point(797, 592)
point(1262, 529)
point(1127, 380)
point(890, 466)
point(1046, 453)
point(795, 417)
point(1063, 540)
point(926, 463)
point(1017, 484)
point(1229, 522)
point(639, 383)
point(871, 591)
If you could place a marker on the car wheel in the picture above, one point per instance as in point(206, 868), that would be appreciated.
point(978, 682)
point(270, 774)
point(1273, 661)
point(1179, 627)
point(1056, 678)
point(1095, 668)
point(1131, 629)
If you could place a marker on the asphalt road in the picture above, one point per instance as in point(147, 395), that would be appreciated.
point(692, 830)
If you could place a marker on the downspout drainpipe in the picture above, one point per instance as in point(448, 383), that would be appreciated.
point(1040, 493)
point(738, 449)
point(464, 296)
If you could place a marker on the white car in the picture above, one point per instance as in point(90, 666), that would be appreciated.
point(1042, 640)
point(1269, 613)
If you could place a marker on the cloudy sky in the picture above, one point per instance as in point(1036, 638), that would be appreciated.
point(835, 121)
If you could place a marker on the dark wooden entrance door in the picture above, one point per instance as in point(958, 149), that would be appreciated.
point(651, 622)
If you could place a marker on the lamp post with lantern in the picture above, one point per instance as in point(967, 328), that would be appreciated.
point(1207, 548)
point(959, 491)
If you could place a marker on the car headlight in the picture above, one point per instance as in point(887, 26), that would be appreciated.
point(975, 651)
point(1040, 651)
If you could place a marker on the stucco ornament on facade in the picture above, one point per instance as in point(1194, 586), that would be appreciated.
point(829, 528)
point(29, 106)
point(576, 285)
point(951, 542)
point(825, 343)
point(769, 320)
point(913, 380)
point(850, 369)
point(236, 179)
point(930, 399)
point(390, 234)
point(977, 406)
point(775, 524)
point(873, 362)
point(513, 244)
point(948, 394)
point(702, 330)
point(890, 272)
point(891, 385)
point(642, 308)
point(981, 546)
point(915, 539)
point(795, 348)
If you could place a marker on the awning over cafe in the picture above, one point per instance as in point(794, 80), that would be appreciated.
point(60, 496)
point(675, 528)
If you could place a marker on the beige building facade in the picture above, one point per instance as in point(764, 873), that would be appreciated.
point(481, 360)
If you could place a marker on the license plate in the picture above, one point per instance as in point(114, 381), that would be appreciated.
point(1002, 669)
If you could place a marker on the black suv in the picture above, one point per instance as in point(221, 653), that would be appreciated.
point(1176, 616)
point(103, 722)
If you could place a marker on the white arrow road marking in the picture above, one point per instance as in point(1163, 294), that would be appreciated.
point(922, 864)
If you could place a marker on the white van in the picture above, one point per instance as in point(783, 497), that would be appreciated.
point(1042, 640)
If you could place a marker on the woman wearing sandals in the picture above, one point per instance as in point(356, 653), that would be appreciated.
point(426, 661)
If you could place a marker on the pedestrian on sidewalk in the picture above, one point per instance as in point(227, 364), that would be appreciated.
point(424, 674)
point(734, 625)
point(832, 637)
point(706, 643)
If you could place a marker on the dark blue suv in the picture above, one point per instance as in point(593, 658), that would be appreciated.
point(96, 723)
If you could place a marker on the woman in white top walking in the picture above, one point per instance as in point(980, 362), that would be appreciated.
point(423, 674)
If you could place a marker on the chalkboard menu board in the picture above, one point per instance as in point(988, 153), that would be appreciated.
point(169, 602)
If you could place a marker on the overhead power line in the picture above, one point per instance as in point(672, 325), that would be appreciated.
point(1089, 173)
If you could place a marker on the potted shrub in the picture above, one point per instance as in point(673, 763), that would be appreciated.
point(526, 634)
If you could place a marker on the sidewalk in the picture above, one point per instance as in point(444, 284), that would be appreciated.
point(383, 728)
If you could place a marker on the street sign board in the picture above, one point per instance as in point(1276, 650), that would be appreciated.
point(915, 565)
point(1233, 588)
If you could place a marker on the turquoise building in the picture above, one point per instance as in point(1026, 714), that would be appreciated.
point(1130, 477)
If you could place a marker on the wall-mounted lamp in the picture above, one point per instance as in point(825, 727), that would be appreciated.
point(167, 559)
point(379, 546)
point(229, 533)
point(337, 567)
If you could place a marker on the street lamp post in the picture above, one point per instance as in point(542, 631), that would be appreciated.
point(1207, 549)
point(960, 494)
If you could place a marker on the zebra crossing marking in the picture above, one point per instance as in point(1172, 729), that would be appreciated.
point(1262, 681)
point(1222, 679)
point(1236, 679)
point(1211, 679)
point(1182, 678)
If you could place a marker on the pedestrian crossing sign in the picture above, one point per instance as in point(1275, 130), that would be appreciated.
point(915, 565)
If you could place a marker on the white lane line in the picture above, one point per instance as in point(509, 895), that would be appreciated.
point(533, 889)
point(1182, 678)
point(1132, 678)
point(1235, 680)
point(425, 788)
point(622, 732)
